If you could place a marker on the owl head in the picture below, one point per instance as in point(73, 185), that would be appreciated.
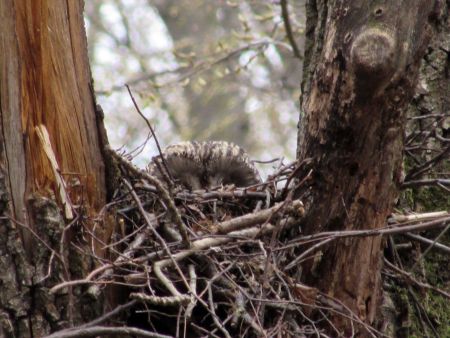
point(205, 165)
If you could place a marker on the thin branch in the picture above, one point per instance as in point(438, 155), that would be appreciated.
point(258, 217)
point(153, 134)
point(288, 28)
point(415, 281)
point(164, 194)
point(118, 309)
point(105, 330)
point(424, 240)
point(193, 285)
point(213, 312)
point(425, 182)
point(422, 256)
point(161, 301)
point(305, 253)
point(439, 223)
point(163, 244)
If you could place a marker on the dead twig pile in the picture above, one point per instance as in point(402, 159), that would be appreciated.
point(217, 263)
point(202, 262)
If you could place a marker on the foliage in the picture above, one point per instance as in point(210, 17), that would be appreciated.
point(204, 70)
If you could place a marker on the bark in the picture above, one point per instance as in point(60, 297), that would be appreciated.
point(429, 124)
point(427, 158)
point(52, 171)
point(361, 65)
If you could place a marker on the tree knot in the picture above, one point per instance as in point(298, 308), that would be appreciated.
point(372, 56)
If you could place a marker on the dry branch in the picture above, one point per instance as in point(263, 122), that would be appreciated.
point(233, 268)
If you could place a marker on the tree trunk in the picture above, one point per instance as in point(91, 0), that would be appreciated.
point(361, 65)
point(52, 171)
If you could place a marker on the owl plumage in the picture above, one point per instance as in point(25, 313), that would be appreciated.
point(208, 164)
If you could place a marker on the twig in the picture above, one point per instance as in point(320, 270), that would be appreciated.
point(163, 243)
point(199, 195)
point(435, 244)
point(157, 269)
point(376, 232)
point(299, 258)
point(329, 236)
point(422, 256)
point(417, 217)
point(209, 242)
point(268, 255)
point(153, 134)
point(266, 162)
point(94, 290)
point(226, 226)
point(197, 68)
point(213, 312)
point(202, 66)
point(422, 168)
point(105, 330)
point(164, 194)
point(118, 309)
point(288, 28)
point(173, 211)
point(415, 281)
point(257, 217)
point(161, 301)
point(425, 182)
point(193, 285)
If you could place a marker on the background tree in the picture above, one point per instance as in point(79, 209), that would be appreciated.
point(204, 70)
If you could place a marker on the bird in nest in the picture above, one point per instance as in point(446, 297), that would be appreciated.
point(206, 165)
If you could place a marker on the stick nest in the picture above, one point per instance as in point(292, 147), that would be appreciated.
point(205, 263)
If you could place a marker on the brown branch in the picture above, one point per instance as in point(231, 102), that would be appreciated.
point(377, 232)
point(305, 253)
point(118, 309)
point(425, 182)
point(161, 301)
point(424, 240)
point(89, 278)
point(213, 312)
point(154, 137)
point(164, 194)
point(193, 286)
point(95, 289)
point(163, 243)
point(288, 28)
point(173, 211)
point(329, 236)
point(258, 217)
point(410, 278)
point(424, 167)
point(198, 195)
point(105, 330)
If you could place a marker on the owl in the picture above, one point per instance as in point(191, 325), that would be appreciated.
point(205, 165)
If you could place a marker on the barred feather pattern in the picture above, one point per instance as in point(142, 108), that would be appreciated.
point(204, 165)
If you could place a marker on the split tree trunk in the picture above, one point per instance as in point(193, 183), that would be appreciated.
point(361, 66)
point(52, 171)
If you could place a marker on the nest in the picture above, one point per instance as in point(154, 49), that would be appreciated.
point(206, 263)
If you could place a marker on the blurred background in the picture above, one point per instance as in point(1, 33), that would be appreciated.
point(199, 70)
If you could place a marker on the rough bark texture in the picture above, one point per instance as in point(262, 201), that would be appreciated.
point(50, 160)
point(429, 125)
point(361, 65)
